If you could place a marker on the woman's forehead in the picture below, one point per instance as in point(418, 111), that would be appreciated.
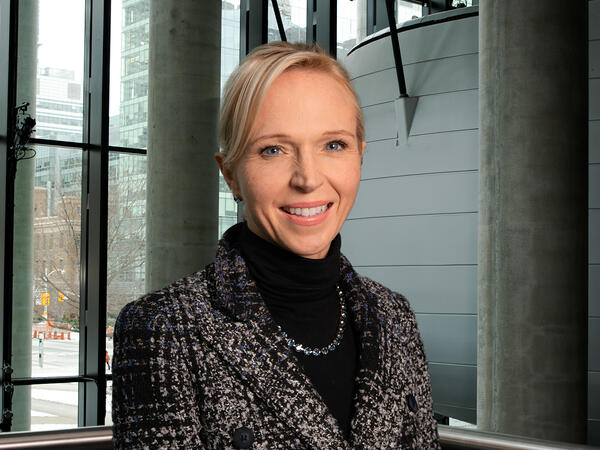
point(302, 77)
point(308, 113)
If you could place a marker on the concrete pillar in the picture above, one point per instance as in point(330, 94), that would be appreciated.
point(533, 218)
point(361, 19)
point(23, 234)
point(183, 105)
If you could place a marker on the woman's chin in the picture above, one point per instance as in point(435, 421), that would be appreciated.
point(309, 249)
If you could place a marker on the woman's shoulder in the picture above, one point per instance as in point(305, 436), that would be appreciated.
point(169, 305)
point(387, 300)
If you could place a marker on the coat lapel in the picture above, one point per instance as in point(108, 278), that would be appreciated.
point(247, 338)
point(373, 397)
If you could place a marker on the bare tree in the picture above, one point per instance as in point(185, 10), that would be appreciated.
point(57, 241)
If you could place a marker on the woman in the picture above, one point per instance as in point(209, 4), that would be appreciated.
point(279, 343)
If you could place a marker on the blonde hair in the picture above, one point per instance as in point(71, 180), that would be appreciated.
point(247, 85)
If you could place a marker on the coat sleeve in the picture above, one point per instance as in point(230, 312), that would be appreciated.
point(154, 403)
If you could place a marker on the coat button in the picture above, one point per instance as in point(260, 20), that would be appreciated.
point(243, 437)
point(412, 403)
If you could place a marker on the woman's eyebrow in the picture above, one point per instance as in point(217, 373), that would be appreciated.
point(286, 136)
point(338, 132)
point(269, 136)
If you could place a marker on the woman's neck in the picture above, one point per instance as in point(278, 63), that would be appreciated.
point(281, 274)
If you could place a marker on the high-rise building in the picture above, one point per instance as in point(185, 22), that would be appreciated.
point(134, 73)
point(59, 115)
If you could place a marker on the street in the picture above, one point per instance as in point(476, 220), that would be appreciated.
point(54, 406)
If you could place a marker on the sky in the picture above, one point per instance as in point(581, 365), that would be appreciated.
point(61, 37)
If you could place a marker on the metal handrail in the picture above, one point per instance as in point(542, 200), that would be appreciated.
point(451, 438)
point(90, 438)
point(461, 438)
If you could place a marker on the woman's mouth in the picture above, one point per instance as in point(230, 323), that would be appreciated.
point(307, 212)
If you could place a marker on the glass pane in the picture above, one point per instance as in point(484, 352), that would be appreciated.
point(293, 16)
point(227, 207)
point(53, 406)
point(230, 58)
point(60, 70)
point(128, 106)
point(461, 3)
point(230, 39)
point(351, 25)
point(126, 270)
point(108, 415)
point(56, 255)
point(408, 11)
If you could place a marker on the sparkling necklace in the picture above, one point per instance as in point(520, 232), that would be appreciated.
point(317, 351)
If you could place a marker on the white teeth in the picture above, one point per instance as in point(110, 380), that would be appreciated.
point(307, 212)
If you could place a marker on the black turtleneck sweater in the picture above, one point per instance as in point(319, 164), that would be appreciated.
point(300, 294)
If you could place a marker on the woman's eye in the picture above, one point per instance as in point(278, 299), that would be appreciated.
point(335, 145)
point(271, 151)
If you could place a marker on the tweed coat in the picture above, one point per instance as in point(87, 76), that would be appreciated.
point(200, 364)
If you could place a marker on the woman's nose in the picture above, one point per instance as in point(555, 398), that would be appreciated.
point(307, 175)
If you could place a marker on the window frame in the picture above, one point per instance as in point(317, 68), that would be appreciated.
point(95, 148)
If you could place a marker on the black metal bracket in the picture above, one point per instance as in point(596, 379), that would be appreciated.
point(396, 47)
point(279, 21)
point(23, 128)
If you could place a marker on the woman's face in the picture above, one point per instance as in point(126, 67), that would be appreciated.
point(300, 174)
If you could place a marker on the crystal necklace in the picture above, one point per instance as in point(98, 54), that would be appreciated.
point(317, 351)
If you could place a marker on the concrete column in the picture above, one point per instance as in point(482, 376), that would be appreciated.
point(361, 19)
point(23, 235)
point(533, 218)
point(183, 105)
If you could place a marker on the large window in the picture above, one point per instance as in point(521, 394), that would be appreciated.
point(51, 358)
point(46, 262)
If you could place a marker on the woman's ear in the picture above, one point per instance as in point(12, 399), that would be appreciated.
point(362, 151)
point(227, 173)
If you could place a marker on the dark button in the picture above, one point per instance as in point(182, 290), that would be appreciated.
point(412, 403)
point(243, 437)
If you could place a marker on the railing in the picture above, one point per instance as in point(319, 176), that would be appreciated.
point(90, 438)
point(459, 438)
point(100, 438)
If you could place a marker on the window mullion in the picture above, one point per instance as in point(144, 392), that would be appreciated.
point(94, 200)
point(8, 65)
point(253, 25)
point(321, 24)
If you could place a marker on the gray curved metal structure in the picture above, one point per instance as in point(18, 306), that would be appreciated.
point(414, 224)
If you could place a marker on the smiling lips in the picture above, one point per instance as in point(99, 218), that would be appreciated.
point(307, 213)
